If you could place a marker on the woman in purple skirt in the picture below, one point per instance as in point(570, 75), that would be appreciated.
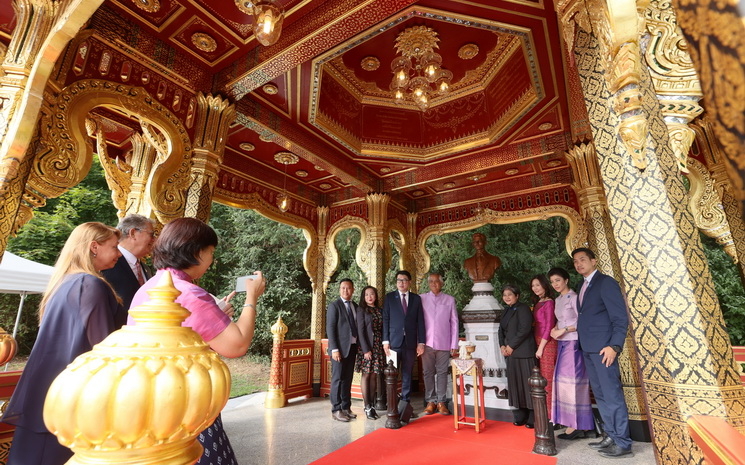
point(571, 402)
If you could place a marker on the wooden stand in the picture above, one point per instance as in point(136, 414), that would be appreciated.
point(472, 367)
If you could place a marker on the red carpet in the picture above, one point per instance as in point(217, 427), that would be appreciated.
point(432, 440)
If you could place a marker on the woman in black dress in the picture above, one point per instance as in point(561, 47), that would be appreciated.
point(76, 312)
point(370, 359)
point(518, 347)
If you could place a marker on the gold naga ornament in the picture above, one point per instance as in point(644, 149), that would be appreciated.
point(143, 394)
point(8, 347)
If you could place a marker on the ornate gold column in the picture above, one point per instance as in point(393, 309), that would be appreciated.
point(141, 159)
point(214, 115)
point(593, 205)
point(410, 260)
point(685, 360)
point(316, 263)
point(373, 256)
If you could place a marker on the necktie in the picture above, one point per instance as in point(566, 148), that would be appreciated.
point(138, 273)
point(352, 323)
point(403, 303)
point(582, 291)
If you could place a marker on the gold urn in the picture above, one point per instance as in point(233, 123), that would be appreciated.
point(8, 347)
point(143, 394)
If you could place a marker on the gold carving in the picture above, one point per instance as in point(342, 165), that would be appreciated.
point(468, 51)
point(275, 396)
point(173, 383)
point(118, 173)
point(247, 146)
point(416, 41)
point(370, 63)
point(270, 89)
point(204, 42)
point(151, 6)
point(286, 158)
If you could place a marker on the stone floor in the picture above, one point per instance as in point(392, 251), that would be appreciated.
point(304, 431)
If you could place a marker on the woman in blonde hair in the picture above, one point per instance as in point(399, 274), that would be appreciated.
point(76, 313)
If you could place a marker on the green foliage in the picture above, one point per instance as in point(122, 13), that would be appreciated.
point(729, 288)
point(43, 236)
point(251, 242)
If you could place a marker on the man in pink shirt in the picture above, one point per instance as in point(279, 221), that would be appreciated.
point(441, 327)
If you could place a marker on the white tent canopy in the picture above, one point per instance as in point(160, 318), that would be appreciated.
point(21, 276)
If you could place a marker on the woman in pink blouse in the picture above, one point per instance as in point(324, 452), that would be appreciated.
point(186, 249)
point(543, 314)
point(571, 405)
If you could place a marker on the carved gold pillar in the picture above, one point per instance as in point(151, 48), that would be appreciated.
point(722, 184)
point(686, 363)
point(43, 28)
point(673, 76)
point(214, 115)
point(407, 252)
point(275, 396)
point(706, 207)
point(315, 262)
point(373, 255)
point(593, 205)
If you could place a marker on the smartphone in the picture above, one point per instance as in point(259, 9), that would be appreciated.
point(240, 282)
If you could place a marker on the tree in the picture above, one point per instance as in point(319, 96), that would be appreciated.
point(729, 288)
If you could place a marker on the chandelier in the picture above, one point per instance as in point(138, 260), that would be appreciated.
point(268, 19)
point(286, 158)
point(418, 74)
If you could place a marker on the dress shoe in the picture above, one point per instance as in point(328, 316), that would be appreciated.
point(371, 414)
point(349, 413)
point(576, 434)
point(615, 451)
point(605, 443)
point(442, 408)
point(519, 423)
point(529, 425)
point(340, 416)
point(430, 408)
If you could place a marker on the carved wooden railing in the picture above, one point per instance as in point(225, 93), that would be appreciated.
point(720, 442)
point(297, 368)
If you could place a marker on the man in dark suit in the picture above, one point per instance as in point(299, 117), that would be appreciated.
point(601, 326)
point(341, 331)
point(403, 328)
point(129, 273)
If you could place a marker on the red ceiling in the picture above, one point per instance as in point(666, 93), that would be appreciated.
point(308, 94)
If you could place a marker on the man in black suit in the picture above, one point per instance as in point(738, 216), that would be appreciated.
point(403, 328)
point(341, 331)
point(601, 326)
point(129, 273)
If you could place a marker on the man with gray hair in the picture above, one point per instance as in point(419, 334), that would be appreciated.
point(129, 273)
point(441, 327)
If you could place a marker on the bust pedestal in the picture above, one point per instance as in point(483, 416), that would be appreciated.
point(481, 320)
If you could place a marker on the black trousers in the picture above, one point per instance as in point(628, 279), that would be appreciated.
point(341, 381)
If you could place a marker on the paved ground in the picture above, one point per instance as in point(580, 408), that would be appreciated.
point(304, 431)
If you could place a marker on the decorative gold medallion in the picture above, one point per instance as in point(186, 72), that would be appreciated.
point(286, 158)
point(477, 177)
point(468, 51)
point(318, 168)
point(545, 126)
point(270, 89)
point(325, 186)
point(385, 170)
point(370, 63)
point(512, 171)
point(417, 193)
point(247, 146)
point(553, 163)
point(416, 41)
point(301, 174)
point(448, 185)
point(151, 6)
point(204, 42)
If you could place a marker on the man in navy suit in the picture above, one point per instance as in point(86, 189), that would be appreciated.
point(129, 273)
point(341, 331)
point(601, 327)
point(403, 328)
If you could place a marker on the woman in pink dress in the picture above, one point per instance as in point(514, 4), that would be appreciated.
point(571, 405)
point(545, 320)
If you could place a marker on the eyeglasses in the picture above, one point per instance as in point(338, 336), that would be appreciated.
point(152, 233)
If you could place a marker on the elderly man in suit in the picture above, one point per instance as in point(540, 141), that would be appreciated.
point(403, 329)
point(129, 273)
point(342, 331)
point(601, 326)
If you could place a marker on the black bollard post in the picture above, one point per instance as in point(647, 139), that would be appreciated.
point(391, 380)
point(544, 434)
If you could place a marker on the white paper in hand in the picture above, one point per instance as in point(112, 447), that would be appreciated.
point(391, 357)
